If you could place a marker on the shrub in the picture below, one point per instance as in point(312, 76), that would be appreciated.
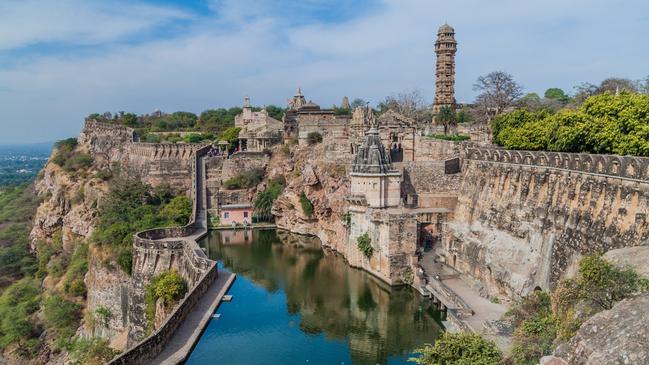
point(103, 315)
point(597, 286)
point(307, 205)
point(313, 138)
point(230, 135)
point(125, 259)
point(364, 244)
point(346, 219)
point(265, 199)
point(91, 351)
point(177, 211)
point(168, 286)
point(536, 328)
point(450, 137)
point(130, 206)
point(66, 144)
point(151, 138)
point(17, 304)
point(61, 319)
point(459, 349)
point(245, 180)
point(73, 283)
point(193, 138)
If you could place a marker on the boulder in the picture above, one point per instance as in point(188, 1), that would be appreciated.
point(616, 336)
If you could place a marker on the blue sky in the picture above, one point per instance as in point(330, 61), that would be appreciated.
point(62, 60)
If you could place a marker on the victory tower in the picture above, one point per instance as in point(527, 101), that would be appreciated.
point(445, 48)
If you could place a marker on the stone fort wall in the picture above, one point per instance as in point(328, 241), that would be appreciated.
point(160, 249)
point(524, 218)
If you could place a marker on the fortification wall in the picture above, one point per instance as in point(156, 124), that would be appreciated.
point(106, 139)
point(429, 149)
point(243, 161)
point(163, 163)
point(525, 218)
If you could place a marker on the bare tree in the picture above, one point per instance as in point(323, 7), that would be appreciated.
point(614, 85)
point(498, 91)
point(410, 104)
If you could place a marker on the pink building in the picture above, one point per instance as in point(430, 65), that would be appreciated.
point(235, 213)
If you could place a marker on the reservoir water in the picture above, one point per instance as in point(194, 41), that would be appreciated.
point(295, 303)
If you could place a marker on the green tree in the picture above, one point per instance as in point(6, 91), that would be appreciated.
point(446, 117)
point(265, 199)
point(358, 103)
point(555, 93)
point(275, 112)
point(459, 349)
point(230, 135)
point(178, 210)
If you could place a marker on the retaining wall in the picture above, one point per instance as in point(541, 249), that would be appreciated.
point(525, 218)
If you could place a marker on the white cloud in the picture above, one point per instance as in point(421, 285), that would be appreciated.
point(259, 51)
point(27, 22)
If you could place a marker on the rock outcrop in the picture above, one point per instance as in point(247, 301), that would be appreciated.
point(616, 336)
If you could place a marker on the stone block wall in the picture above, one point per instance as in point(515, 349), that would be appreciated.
point(429, 149)
point(393, 237)
point(525, 218)
point(243, 161)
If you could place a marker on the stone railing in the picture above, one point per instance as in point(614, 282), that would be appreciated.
point(627, 167)
point(197, 269)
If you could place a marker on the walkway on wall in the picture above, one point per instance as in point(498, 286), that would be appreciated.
point(181, 344)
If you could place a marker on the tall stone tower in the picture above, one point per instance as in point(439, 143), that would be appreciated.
point(445, 48)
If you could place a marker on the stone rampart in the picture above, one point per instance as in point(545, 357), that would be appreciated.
point(148, 348)
point(161, 249)
point(524, 218)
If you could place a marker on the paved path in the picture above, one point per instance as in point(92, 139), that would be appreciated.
point(181, 344)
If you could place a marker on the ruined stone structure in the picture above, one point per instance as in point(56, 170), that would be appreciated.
point(258, 130)
point(445, 49)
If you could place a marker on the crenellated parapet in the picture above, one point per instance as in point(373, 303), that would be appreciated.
point(160, 151)
point(628, 167)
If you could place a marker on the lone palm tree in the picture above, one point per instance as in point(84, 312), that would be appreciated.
point(446, 117)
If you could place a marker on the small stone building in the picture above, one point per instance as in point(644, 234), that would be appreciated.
point(235, 213)
point(259, 131)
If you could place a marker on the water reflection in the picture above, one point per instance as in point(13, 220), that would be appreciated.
point(376, 321)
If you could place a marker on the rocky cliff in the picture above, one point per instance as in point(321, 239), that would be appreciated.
point(325, 183)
